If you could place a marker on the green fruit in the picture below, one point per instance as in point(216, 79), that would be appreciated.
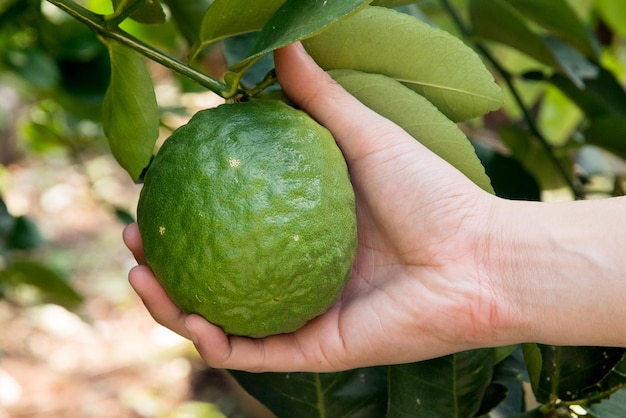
point(247, 218)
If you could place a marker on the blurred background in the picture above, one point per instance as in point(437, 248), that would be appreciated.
point(75, 341)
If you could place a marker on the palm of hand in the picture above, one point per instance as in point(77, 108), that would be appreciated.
point(409, 286)
point(414, 292)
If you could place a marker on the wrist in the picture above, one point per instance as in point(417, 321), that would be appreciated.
point(558, 270)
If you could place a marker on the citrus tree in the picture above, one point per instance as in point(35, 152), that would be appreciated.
point(524, 97)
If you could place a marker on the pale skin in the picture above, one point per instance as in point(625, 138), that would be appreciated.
point(441, 266)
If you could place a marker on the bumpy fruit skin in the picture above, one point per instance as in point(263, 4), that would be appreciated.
point(247, 218)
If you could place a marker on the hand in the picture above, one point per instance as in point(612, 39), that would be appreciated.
point(418, 288)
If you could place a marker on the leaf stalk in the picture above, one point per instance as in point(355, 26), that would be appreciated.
point(106, 29)
point(122, 12)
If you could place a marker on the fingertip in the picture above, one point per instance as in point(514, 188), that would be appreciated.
point(300, 77)
point(140, 278)
point(210, 340)
point(132, 239)
point(130, 232)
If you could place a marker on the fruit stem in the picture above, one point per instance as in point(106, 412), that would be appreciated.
point(104, 28)
point(269, 80)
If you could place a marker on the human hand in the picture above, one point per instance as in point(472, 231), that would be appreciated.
point(418, 288)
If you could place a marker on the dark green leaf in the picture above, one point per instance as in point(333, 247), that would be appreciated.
point(188, 16)
point(124, 216)
point(418, 117)
point(560, 19)
point(360, 393)
point(571, 62)
point(54, 287)
point(535, 158)
point(25, 234)
point(7, 221)
point(497, 20)
point(150, 12)
point(608, 132)
point(130, 112)
point(568, 373)
point(430, 61)
point(494, 395)
point(509, 178)
point(296, 20)
point(225, 18)
point(510, 374)
point(236, 49)
point(448, 387)
point(602, 95)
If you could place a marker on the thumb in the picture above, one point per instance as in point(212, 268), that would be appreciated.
point(358, 130)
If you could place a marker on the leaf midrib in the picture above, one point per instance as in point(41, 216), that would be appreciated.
point(447, 88)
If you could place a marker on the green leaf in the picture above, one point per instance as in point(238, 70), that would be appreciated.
point(602, 95)
point(188, 16)
point(124, 216)
point(534, 363)
point(568, 373)
point(35, 66)
point(393, 3)
point(296, 20)
point(508, 177)
point(558, 117)
point(236, 49)
point(150, 12)
point(225, 18)
point(428, 60)
point(7, 223)
point(130, 115)
point(25, 234)
point(614, 407)
point(448, 387)
point(499, 21)
point(18, 232)
point(571, 62)
point(353, 393)
point(613, 12)
point(560, 19)
point(418, 117)
point(608, 132)
point(54, 287)
point(510, 374)
point(535, 159)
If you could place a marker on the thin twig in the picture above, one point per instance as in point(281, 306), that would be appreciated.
point(98, 23)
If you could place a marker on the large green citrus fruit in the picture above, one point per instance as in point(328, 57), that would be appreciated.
point(247, 218)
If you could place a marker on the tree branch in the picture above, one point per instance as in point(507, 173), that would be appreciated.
point(98, 23)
